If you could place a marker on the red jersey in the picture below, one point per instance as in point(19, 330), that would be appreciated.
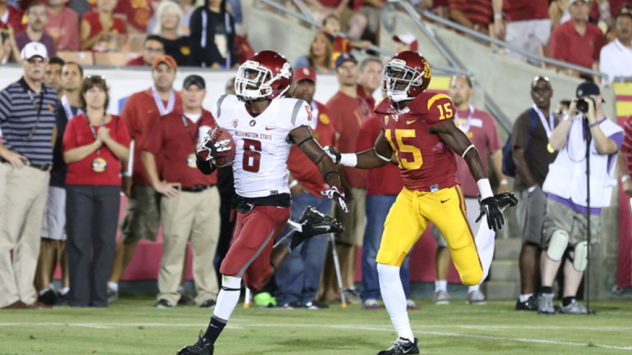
point(341, 45)
point(426, 163)
point(381, 181)
point(369, 99)
point(95, 24)
point(568, 45)
point(15, 19)
point(175, 143)
point(303, 169)
point(138, 111)
point(137, 12)
point(78, 134)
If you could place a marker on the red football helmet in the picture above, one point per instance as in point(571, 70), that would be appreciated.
point(267, 75)
point(405, 76)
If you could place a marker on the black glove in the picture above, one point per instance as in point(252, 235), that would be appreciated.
point(337, 194)
point(493, 208)
point(333, 154)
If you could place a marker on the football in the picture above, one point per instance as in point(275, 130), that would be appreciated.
point(219, 135)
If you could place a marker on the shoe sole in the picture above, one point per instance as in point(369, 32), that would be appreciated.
point(442, 303)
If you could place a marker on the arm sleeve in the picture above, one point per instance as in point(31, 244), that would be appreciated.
point(5, 105)
point(122, 136)
point(439, 108)
point(70, 136)
point(627, 137)
point(520, 132)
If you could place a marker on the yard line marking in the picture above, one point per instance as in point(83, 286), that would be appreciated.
point(344, 326)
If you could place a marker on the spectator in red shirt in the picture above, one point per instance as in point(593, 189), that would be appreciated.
point(528, 26)
point(353, 21)
point(142, 217)
point(11, 17)
point(101, 31)
point(349, 113)
point(474, 14)
point(480, 128)
point(624, 161)
point(63, 26)
point(153, 47)
point(298, 278)
point(94, 145)
point(370, 80)
point(331, 26)
point(577, 41)
point(190, 200)
point(136, 13)
point(37, 19)
point(319, 57)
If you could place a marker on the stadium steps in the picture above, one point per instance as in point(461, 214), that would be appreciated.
point(504, 276)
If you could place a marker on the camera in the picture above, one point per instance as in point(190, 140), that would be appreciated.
point(582, 104)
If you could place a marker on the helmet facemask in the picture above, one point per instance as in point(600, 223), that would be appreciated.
point(254, 81)
point(398, 79)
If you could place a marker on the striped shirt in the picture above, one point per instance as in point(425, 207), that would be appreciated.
point(479, 12)
point(27, 129)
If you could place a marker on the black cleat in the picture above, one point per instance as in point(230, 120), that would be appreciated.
point(315, 223)
point(48, 298)
point(529, 305)
point(401, 346)
point(202, 347)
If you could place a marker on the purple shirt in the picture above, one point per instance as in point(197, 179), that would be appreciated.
point(22, 39)
point(618, 139)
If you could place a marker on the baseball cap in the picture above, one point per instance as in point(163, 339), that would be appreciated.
point(588, 88)
point(305, 73)
point(571, 2)
point(345, 57)
point(34, 49)
point(409, 39)
point(167, 59)
point(194, 80)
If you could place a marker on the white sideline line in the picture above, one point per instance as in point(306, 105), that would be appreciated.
point(370, 328)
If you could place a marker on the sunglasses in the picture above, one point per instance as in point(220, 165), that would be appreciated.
point(34, 60)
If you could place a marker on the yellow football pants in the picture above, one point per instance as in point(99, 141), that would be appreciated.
point(408, 218)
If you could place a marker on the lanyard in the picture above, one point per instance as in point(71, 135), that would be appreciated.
point(547, 127)
point(38, 108)
point(161, 107)
point(465, 128)
point(94, 133)
point(68, 108)
point(194, 136)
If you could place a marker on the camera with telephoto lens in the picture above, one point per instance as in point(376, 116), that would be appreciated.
point(582, 104)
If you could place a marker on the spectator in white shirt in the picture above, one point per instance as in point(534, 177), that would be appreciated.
point(615, 58)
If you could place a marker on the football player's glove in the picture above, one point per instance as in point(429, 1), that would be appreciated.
point(493, 208)
point(212, 149)
point(337, 194)
point(333, 154)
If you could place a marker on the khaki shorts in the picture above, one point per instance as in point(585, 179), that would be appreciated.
point(561, 217)
point(530, 212)
point(354, 221)
point(142, 215)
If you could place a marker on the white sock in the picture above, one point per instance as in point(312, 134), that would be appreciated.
point(64, 290)
point(395, 299)
point(525, 298)
point(474, 288)
point(441, 285)
point(180, 289)
point(43, 291)
point(51, 286)
point(228, 297)
point(113, 286)
point(485, 244)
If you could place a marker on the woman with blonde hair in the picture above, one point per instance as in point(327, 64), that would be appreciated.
point(95, 146)
point(319, 56)
point(170, 27)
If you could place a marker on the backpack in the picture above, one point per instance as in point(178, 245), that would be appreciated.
point(509, 168)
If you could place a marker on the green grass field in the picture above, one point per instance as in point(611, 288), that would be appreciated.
point(135, 327)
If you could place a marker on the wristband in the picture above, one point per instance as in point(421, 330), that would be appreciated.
point(350, 160)
point(485, 188)
point(293, 184)
point(503, 182)
point(593, 124)
point(498, 16)
point(625, 178)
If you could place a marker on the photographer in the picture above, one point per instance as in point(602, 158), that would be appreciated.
point(566, 219)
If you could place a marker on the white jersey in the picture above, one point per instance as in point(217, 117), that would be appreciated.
point(262, 143)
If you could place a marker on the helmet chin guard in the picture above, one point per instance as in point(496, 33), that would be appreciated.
point(405, 76)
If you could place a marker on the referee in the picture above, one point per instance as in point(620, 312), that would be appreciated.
point(27, 122)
